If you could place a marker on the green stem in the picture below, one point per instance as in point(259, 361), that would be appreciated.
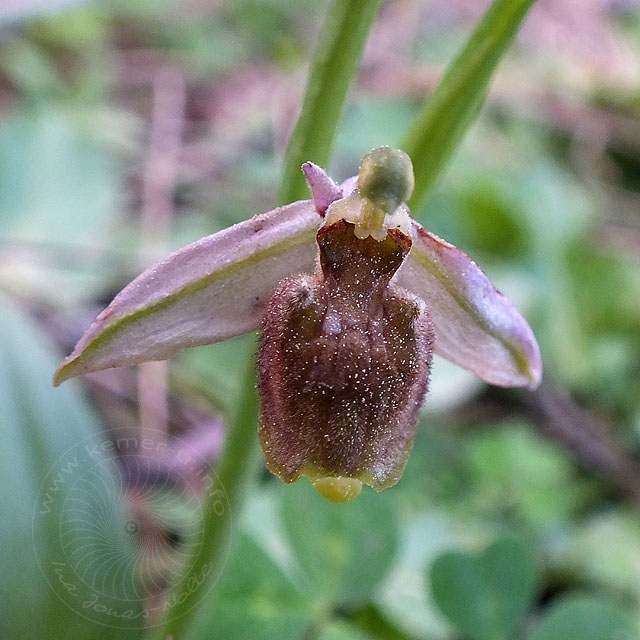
point(235, 467)
point(449, 111)
point(334, 66)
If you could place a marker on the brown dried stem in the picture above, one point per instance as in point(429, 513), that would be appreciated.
point(162, 166)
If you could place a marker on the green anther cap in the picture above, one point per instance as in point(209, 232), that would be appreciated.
point(386, 178)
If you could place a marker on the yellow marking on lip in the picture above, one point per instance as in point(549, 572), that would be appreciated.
point(338, 489)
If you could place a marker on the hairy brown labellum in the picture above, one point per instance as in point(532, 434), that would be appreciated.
point(343, 366)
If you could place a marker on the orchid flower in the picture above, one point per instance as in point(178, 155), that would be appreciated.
point(353, 296)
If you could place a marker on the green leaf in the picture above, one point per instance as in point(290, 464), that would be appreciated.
point(335, 544)
point(334, 66)
point(516, 469)
point(403, 597)
point(485, 596)
point(583, 617)
point(450, 110)
point(600, 550)
point(254, 599)
point(343, 631)
point(68, 563)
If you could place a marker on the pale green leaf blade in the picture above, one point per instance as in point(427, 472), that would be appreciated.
point(69, 567)
point(585, 617)
point(486, 595)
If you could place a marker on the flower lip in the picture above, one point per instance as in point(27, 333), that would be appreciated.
point(343, 366)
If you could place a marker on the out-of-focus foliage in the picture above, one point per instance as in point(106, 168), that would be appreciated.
point(585, 618)
point(486, 595)
point(335, 546)
point(254, 599)
point(324, 566)
point(335, 64)
point(61, 510)
point(544, 194)
point(49, 207)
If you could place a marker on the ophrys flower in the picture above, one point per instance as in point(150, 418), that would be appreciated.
point(353, 296)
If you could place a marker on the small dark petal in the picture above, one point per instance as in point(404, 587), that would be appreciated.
point(343, 367)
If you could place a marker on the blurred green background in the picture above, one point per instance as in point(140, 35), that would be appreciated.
point(128, 129)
